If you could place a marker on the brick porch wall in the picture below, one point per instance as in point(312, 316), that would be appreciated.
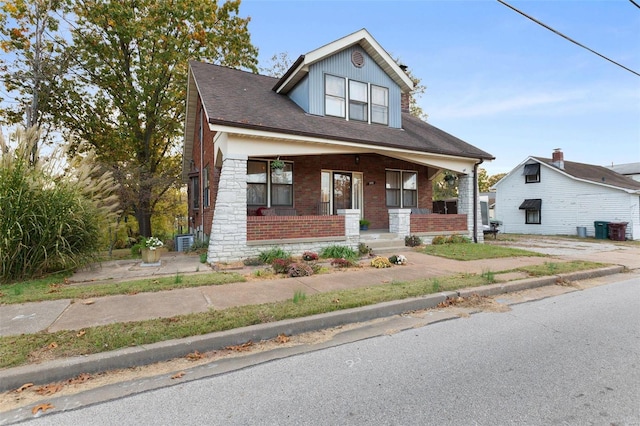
point(441, 223)
point(291, 227)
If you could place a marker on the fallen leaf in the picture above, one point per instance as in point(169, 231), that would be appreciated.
point(49, 389)
point(80, 379)
point(53, 345)
point(24, 387)
point(80, 333)
point(178, 375)
point(240, 348)
point(282, 338)
point(194, 356)
point(88, 302)
point(41, 407)
point(335, 301)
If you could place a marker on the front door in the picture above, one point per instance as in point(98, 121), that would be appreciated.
point(342, 187)
point(341, 190)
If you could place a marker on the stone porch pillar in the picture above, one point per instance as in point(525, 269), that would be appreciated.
point(466, 204)
point(228, 238)
point(400, 222)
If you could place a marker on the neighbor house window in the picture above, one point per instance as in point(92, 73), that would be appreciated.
point(532, 173)
point(379, 105)
point(358, 101)
point(532, 208)
point(205, 187)
point(334, 95)
point(401, 188)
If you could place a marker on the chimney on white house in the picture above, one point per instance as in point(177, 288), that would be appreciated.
point(557, 158)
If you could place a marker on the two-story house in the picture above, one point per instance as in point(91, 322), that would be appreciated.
point(298, 161)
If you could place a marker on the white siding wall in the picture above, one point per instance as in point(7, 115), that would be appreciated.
point(566, 204)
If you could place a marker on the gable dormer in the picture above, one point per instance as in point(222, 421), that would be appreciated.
point(352, 78)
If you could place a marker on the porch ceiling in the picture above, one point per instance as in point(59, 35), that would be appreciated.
point(253, 144)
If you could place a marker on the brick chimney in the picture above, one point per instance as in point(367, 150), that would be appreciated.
point(557, 159)
point(405, 102)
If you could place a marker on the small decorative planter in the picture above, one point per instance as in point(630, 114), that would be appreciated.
point(364, 224)
point(150, 256)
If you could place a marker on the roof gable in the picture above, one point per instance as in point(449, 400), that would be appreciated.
point(301, 67)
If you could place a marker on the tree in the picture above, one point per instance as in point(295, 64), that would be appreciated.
point(29, 33)
point(128, 99)
point(278, 65)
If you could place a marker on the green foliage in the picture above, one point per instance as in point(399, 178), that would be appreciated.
point(268, 256)
point(299, 296)
point(439, 239)
point(48, 222)
point(451, 239)
point(281, 265)
point(337, 252)
point(363, 249)
point(412, 241)
point(136, 249)
point(489, 276)
point(203, 257)
point(178, 278)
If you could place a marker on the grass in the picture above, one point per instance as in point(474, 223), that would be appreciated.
point(56, 287)
point(466, 251)
point(24, 349)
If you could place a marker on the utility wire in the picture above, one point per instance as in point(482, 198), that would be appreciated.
point(568, 38)
point(635, 4)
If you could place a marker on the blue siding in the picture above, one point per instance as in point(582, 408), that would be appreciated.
point(340, 65)
point(300, 93)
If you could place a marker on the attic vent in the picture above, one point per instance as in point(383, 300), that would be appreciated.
point(357, 58)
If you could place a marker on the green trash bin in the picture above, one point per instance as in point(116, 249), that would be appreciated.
point(602, 229)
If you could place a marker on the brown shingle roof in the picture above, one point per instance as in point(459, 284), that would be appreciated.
point(596, 174)
point(242, 99)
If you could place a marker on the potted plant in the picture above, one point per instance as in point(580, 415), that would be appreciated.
point(364, 224)
point(277, 165)
point(151, 251)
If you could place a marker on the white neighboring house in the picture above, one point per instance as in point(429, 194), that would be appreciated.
point(554, 197)
point(631, 170)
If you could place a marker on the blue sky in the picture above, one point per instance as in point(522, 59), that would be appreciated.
point(494, 78)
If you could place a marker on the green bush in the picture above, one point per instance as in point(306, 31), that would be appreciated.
point(412, 241)
point(270, 255)
point(49, 222)
point(339, 252)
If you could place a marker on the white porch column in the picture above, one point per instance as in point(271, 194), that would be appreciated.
point(400, 222)
point(466, 205)
point(351, 226)
point(228, 238)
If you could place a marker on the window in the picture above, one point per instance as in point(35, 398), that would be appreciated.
point(532, 173)
point(402, 189)
point(205, 187)
point(195, 191)
point(282, 186)
point(277, 184)
point(379, 105)
point(532, 208)
point(358, 101)
point(257, 183)
point(334, 98)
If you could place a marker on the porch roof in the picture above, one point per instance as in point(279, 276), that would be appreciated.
point(244, 100)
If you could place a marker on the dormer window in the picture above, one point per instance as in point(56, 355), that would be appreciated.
point(358, 101)
point(367, 102)
point(334, 95)
point(379, 104)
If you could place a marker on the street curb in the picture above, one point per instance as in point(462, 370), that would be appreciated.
point(66, 368)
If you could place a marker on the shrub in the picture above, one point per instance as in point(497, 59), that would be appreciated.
point(252, 261)
point(363, 249)
point(412, 241)
point(49, 222)
point(299, 270)
point(458, 239)
point(136, 248)
point(281, 266)
point(339, 252)
point(398, 259)
point(203, 257)
point(380, 262)
point(270, 255)
point(309, 256)
point(341, 262)
point(439, 239)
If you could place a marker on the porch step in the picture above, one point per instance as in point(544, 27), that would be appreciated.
point(382, 241)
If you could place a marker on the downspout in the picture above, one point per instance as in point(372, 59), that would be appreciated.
point(201, 135)
point(475, 200)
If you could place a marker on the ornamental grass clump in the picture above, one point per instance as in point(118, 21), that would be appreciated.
point(300, 270)
point(52, 213)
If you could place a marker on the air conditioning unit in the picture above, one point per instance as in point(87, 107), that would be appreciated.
point(184, 242)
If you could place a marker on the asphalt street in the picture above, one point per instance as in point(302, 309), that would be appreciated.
point(569, 359)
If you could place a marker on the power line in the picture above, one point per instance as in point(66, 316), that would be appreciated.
point(635, 4)
point(568, 38)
